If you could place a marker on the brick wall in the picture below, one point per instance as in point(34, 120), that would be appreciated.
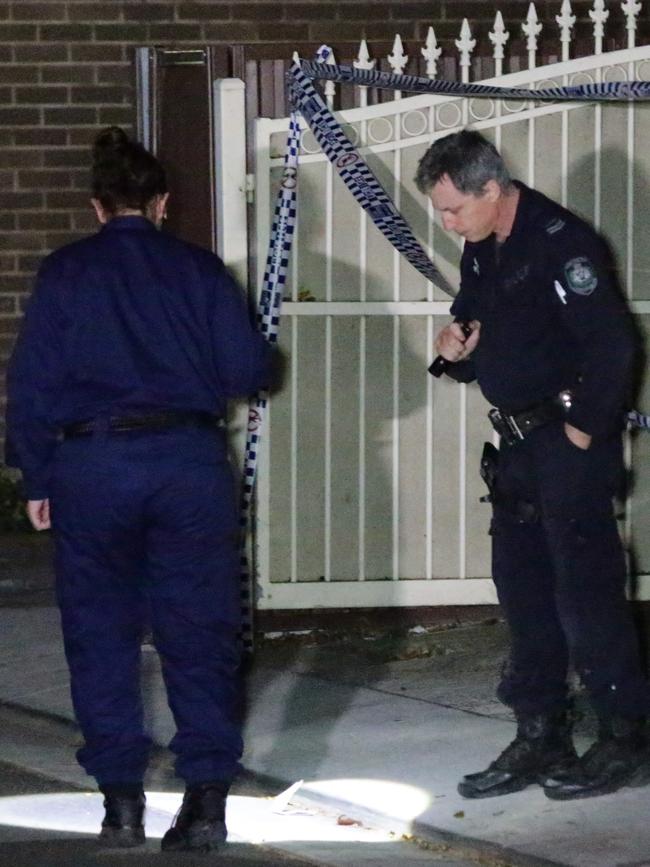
point(66, 70)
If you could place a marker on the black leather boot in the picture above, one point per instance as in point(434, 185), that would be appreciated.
point(543, 744)
point(620, 757)
point(122, 825)
point(201, 821)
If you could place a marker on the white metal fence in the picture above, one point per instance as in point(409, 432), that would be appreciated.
point(367, 489)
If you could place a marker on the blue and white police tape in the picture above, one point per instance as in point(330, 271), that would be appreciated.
point(613, 91)
point(357, 176)
point(268, 317)
point(636, 419)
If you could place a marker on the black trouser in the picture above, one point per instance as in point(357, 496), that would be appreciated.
point(560, 577)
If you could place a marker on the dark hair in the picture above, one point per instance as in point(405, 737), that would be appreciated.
point(468, 159)
point(124, 173)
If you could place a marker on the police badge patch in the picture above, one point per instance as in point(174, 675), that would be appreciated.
point(581, 275)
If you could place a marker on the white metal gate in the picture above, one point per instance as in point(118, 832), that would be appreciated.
point(367, 489)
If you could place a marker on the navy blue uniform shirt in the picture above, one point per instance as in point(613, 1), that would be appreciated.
point(551, 317)
point(126, 321)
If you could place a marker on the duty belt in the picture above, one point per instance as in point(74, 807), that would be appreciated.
point(149, 421)
point(513, 428)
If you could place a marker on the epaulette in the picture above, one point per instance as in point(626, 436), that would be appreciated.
point(556, 224)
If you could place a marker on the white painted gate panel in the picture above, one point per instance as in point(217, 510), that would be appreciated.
point(368, 490)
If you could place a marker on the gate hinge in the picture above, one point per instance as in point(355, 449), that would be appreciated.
point(250, 189)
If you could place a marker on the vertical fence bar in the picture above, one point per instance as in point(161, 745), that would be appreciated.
point(630, 9)
point(599, 16)
point(363, 61)
point(465, 45)
point(565, 20)
point(532, 28)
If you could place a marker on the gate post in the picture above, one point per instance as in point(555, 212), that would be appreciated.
point(230, 175)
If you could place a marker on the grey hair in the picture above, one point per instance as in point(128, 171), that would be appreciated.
point(468, 159)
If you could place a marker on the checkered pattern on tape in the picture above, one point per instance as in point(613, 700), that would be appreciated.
point(361, 182)
point(600, 91)
point(268, 318)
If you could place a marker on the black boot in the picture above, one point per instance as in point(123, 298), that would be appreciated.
point(542, 745)
point(201, 821)
point(620, 757)
point(122, 825)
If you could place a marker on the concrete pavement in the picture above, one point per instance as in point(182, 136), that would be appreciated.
point(380, 734)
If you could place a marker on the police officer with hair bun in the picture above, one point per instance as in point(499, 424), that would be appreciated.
point(131, 346)
point(540, 325)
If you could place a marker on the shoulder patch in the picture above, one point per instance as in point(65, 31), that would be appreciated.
point(581, 275)
point(555, 225)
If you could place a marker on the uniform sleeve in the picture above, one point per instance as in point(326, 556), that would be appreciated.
point(242, 355)
point(35, 377)
point(597, 318)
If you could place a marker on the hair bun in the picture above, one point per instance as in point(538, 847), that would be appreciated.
point(110, 141)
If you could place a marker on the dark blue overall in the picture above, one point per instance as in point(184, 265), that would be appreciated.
point(129, 324)
point(552, 319)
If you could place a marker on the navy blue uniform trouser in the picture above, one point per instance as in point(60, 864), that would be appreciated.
point(145, 530)
point(560, 579)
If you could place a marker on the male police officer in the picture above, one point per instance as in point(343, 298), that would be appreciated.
point(541, 327)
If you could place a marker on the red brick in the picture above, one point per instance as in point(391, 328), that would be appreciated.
point(12, 283)
point(21, 11)
point(69, 116)
point(15, 158)
point(8, 306)
point(54, 240)
point(69, 73)
point(20, 201)
point(231, 31)
point(70, 157)
point(40, 136)
point(66, 32)
point(97, 53)
point(121, 33)
point(152, 12)
point(175, 33)
point(66, 199)
point(41, 53)
point(19, 33)
point(7, 179)
point(40, 179)
point(288, 32)
point(42, 95)
point(18, 74)
point(109, 10)
point(308, 11)
point(29, 264)
point(19, 116)
point(116, 74)
point(116, 116)
point(43, 221)
point(105, 95)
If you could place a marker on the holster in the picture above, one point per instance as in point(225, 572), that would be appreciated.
point(489, 465)
point(524, 511)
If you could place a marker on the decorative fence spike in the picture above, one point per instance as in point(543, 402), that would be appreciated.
point(431, 53)
point(398, 59)
point(532, 28)
point(465, 45)
point(566, 20)
point(599, 16)
point(498, 37)
point(631, 11)
point(363, 61)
